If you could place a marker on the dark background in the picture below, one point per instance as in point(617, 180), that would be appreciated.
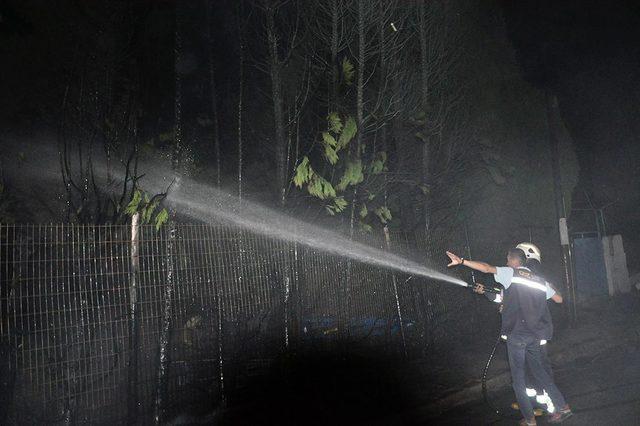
point(511, 54)
point(588, 54)
point(456, 96)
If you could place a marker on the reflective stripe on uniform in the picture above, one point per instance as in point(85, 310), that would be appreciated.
point(529, 283)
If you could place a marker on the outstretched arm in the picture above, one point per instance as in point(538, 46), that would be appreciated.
point(473, 264)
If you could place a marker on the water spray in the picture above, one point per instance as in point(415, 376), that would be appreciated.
point(214, 206)
point(211, 205)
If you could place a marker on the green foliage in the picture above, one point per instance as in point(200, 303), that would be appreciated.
point(140, 203)
point(331, 155)
point(379, 164)
point(365, 227)
point(350, 170)
point(335, 122)
point(329, 140)
point(304, 172)
point(161, 218)
point(133, 205)
point(348, 132)
point(419, 119)
point(352, 175)
point(348, 71)
point(330, 151)
point(383, 213)
point(338, 205)
point(321, 188)
point(363, 211)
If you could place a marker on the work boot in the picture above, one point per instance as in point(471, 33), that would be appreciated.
point(525, 422)
point(538, 412)
point(561, 415)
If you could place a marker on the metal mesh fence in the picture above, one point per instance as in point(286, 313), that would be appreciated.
point(84, 312)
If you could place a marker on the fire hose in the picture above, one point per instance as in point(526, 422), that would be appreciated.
point(485, 395)
point(485, 371)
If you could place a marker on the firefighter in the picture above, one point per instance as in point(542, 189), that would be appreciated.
point(534, 389)
point(526, 322)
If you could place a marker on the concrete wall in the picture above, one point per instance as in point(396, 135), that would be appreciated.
point(615, 261)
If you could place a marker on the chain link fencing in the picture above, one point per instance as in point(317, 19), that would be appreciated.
point(102, 324)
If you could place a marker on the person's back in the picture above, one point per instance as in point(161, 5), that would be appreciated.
point(526, 323)
point(525, 303)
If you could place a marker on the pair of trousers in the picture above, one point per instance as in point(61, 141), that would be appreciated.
point(531, 382)
point(525, 351)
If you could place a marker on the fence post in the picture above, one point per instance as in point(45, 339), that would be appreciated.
point(132, 389)
point(220, 319)
point(343, 323)
point(395, 291)
point(297, 311)
point(287, 294)
point(289, 289)
point(167, 312)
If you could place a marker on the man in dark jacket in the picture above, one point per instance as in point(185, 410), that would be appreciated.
point(526, 322)
point(533, 389)
point(534, 263)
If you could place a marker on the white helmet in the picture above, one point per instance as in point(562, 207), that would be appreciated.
point(531, 251)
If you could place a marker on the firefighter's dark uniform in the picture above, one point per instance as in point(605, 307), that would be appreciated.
point(526, 323)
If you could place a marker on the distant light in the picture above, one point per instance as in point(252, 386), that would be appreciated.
point(393, 27)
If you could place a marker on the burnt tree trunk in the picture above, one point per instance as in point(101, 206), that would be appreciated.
point(212, 85)
point(424, 93)
point(240, 94)
point(276, 95)
point(333, 88)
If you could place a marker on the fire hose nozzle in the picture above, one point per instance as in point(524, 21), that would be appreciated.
point(487, 289)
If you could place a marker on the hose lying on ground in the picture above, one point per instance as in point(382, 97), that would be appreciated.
point(484, 384)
